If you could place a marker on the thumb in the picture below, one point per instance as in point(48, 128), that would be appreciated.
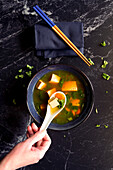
point(36, 137)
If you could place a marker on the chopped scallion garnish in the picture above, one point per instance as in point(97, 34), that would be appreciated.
point(21, 75)
point(104, 64)
point(20, 70)
point(97, 125)
point(96, 110)
point(14, 102)
point(28, 73)
point(16, 77)
point(89, 59)
point(61, 103)
point(106, 126)
point(70, 118)
point(103, 44)
point(105, 76)
point(30, 67)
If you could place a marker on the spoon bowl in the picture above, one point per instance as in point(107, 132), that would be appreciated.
point(50, 114)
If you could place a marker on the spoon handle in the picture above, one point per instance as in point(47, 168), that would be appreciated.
point(45, 123)
point(47, 120)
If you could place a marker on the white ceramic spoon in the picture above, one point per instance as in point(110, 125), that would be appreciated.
point(50, 116)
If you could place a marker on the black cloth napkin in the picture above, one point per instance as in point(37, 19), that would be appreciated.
point(49, 45)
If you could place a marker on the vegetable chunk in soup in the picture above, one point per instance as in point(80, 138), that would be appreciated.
point(67, 82)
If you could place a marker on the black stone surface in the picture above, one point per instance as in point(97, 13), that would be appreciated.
point(85, 147)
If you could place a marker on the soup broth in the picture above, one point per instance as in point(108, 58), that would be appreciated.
point(75, 98)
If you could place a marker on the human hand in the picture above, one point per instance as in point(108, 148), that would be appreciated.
point(29, 151)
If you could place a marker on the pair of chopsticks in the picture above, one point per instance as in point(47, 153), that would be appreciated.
point(61, 34)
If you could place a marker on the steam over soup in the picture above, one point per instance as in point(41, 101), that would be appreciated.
point(67, 82)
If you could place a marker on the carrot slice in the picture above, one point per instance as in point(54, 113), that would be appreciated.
point(69, 86)
point(59, 96)
point(74, 113)
point(75, 102)
point(42, 106)
point(67, 109)
point(78, 111)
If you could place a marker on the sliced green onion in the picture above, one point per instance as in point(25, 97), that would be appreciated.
point(28, 73)
point(89, 59)
point(103, 44)
point(21, 75)
point(61, 103)
point(104, 64)
point(97, 126)
point(16, 77)
point(106, 126)
point(105, 76)
point(14, 102)
point(30, 67)
point(70, 118)
point(96, 110)
point(20, 70)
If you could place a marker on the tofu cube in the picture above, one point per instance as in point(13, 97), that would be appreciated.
point(51, 91)
point(40, 85)
point(54, 79)
point(54, 103)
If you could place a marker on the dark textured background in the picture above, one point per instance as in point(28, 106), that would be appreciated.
point(84, 147)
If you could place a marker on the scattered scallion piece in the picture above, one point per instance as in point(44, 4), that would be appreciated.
point(104, 64)
point(20, 70)
point(89, 59)
point(106, 126)
point(16, 77)
point(28, 73)
point(64, 136)
point(102, 58)
point(96, 110)
point(97, 126)
point(70, 118)
point(21, 76)
point(14, 102)
point(30, 67)
point(103, 44)
point(106, 91)
point(105, 76)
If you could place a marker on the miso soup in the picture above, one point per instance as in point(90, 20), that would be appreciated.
point(67, 82)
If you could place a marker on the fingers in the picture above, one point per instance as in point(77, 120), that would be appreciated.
point(34, 127)
point(36, 137)
point(46, 142)
point(31, 129)
point(40, 138)
point(38, 144)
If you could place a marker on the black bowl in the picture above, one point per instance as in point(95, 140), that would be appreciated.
point(89, 93)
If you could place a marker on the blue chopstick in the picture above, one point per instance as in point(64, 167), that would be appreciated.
point(43, 15)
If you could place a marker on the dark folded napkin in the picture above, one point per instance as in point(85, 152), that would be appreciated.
point(49, 45)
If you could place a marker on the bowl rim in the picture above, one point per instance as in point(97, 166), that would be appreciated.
point(55, 126)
